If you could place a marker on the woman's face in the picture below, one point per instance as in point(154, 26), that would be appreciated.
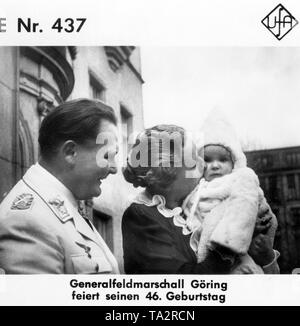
point(189, 174)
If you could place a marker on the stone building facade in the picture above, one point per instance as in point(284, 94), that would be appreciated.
point(33, 80)
point(279, 175)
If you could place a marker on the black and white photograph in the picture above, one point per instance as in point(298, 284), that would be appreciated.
point(62, 212)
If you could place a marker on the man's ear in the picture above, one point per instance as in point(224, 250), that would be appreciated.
point(69, 151)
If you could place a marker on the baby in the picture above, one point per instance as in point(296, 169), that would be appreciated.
point(223, 209)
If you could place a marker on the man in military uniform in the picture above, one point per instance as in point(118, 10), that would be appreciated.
point(41, 228)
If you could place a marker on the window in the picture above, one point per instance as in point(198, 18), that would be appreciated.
point(291, 187)
point(264, 161)
point(298, 185)
point(264, 184)
point(103, 224)
point(97, 90)
point(278, 235)
point(25, 149)
point(273, 189)
point(295, 225)
point(295, 215)
point(292, 159)
point(127, 129)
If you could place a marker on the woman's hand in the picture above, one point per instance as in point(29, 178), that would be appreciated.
point(261, 249)
point(263, 223)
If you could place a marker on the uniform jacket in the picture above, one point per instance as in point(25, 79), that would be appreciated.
point(41, 231)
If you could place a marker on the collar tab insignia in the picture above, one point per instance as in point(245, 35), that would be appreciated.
point(60, 208)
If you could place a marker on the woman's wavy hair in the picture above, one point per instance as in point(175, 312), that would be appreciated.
point(158, 177)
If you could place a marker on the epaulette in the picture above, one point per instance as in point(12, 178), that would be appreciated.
point(23, 201)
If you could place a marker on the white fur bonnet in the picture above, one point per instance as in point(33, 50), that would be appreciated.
point(217, 130)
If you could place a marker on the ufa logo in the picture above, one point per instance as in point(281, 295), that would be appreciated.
point(279, 21)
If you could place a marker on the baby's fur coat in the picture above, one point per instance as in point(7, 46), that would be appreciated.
point(226, 213)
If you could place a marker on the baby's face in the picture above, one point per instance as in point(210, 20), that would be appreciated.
point(218, 162)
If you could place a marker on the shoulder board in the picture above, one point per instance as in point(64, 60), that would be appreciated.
point(21, 202)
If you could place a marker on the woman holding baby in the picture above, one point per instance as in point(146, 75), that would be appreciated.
point(163, 226)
